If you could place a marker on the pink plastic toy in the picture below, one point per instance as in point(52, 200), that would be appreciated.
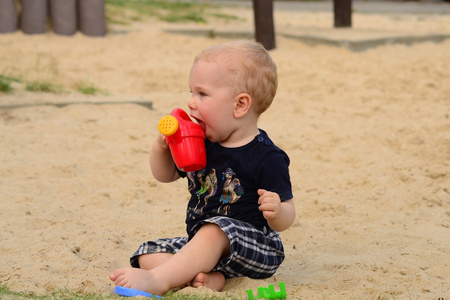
point(186, 140)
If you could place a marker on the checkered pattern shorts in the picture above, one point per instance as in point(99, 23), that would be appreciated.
point(254, 253)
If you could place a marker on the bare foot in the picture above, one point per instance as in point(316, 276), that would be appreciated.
point(212, 280)
point(138, 279)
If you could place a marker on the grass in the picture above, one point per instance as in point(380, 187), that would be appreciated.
point(43, 86)
point(5, 83)
point(124, 12)
point(32, 86)
point(6, 294)
point(46, 86)
point(87, 88)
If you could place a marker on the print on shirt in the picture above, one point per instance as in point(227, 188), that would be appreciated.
point(208, 186)
point(191, 180)
point(231, 192)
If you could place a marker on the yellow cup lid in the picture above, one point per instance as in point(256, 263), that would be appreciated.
point(168, 125)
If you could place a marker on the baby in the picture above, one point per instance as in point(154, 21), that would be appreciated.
point(241, 200)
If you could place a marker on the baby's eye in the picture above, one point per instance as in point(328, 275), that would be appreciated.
point(202, 94)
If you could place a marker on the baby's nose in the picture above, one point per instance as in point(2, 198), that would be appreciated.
point(191, 104)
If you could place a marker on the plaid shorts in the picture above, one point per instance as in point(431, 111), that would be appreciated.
point(254, 253)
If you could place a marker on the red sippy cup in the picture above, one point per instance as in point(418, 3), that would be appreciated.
point(186, 140)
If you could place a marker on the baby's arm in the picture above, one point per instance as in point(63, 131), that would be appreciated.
point(161, 161)
point(279, 215)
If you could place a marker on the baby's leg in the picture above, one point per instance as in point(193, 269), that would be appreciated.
point(152, 260)
point(200, 255)
point(211, 280)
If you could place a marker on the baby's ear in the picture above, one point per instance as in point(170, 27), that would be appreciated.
point(242, 104)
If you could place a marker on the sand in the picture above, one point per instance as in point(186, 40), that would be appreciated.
point(368, 134)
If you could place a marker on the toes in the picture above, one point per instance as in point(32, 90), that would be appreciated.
point(122, 281)
point(113, 277)
point(118, 278)
point(201, 277)
point(199, 280)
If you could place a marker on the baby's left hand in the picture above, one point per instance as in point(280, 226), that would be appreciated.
point(269, 204)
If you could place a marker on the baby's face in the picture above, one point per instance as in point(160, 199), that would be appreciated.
point(212, 100)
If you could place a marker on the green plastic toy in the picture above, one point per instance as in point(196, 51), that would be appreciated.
point(268, 292)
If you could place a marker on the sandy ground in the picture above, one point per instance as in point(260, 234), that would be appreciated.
point(368, 134)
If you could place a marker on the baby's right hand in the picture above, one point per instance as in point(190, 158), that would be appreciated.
point(162, 142)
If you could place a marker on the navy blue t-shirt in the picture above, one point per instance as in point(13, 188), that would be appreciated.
point(228, 185)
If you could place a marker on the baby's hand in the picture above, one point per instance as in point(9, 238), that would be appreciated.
point(269, 204)
point(162, 142)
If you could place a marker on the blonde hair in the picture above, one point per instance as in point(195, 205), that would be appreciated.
point(251, 68)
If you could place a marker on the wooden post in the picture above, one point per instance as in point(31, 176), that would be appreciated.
point(342, 13)
point(33, 18)
point(92, 17)
point(264, 25)
point(63, 14)
point(8, 16)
